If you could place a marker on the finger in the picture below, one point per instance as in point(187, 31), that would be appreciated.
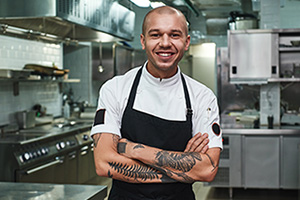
point(203, 146)
point(204, 150)
point(198, 144)
point(191, 141)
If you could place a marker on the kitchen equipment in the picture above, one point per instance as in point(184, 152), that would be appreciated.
point(26, 119)
point(296, 70)
point(47, 154)
point(46, 70)
point(295, 43)
point(12, 73)
point(241, 21)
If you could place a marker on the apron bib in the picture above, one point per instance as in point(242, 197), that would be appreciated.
point(156, 132)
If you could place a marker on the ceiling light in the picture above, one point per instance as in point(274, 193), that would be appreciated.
point(157, 4)
point(141, 3)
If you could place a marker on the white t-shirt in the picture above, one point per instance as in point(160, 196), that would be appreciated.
point(163, 98)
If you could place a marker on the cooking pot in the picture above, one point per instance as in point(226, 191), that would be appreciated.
point(26, 119)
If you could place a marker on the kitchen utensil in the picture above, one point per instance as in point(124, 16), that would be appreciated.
point(46, 70)
point(26, 119)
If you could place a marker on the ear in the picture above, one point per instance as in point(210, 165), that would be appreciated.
point(142, 38)
point(187, 42)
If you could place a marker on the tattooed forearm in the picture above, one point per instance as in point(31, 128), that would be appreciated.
point(137, 172)
point(96, 139)
point(121, 147)
point(115, 139)
point(212, 163)
point(169, 173)
point(183, 162)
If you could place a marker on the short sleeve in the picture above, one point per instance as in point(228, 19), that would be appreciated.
point(107, 117)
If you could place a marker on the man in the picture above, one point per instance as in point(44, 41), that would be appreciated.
point(153, 124)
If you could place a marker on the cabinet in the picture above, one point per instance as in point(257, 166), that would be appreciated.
point(262, 56)
point(260, 160)
point(290, 162)
point(253, 56)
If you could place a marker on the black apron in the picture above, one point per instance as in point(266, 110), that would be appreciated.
point(156, 132)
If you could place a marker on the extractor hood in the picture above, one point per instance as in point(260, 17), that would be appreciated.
point(78, 20)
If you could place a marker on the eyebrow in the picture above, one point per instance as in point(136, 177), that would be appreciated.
point(157, 30)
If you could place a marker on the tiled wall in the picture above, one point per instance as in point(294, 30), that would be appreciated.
point(14, 54)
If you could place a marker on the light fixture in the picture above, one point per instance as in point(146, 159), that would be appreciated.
point(156, 4)
point(141, 3)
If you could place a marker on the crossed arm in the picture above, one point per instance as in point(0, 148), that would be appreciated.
point(137, 163)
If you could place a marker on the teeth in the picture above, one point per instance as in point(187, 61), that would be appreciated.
point(165, 54)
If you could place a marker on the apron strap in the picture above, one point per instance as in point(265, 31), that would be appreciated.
point(134, 88)
point(189, 111)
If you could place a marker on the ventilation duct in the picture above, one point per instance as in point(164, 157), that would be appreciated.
point(79, 20)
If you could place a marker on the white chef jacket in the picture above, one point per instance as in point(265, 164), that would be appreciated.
point(163, 98)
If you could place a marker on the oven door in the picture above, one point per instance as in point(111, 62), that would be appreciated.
point(48, 172)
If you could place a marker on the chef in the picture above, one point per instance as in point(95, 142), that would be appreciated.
point(156, 131)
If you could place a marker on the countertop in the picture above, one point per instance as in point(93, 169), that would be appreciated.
point(263, 130)
point(45, 131)
point(32, 191)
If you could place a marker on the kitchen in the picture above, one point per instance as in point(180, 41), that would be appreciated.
point(82, 63)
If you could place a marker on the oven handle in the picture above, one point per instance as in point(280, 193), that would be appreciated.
point(57, 161)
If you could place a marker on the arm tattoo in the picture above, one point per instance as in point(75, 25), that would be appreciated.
point(211, 161)
point(122, 147)
point(134, 171)
point(138, 146)
point(115, 139)
point(183, 162)
point(96, 139)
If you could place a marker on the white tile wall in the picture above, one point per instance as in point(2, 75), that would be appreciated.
point(14, 54)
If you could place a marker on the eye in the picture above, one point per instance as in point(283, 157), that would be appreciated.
point(154, 35)
point(175, 35)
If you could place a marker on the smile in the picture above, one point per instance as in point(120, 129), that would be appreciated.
point(165, 54)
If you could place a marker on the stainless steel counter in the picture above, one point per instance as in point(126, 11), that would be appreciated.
point(283, 130)
point(26, 191)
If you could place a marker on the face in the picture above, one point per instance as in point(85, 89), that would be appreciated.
point(165, 41)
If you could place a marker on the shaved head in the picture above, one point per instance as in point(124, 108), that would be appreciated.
point(163, 10)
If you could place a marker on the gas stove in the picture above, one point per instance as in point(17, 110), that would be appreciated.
point(30, 155)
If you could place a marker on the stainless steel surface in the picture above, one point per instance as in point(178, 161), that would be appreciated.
point(288, 130)
point(26, 119)
point(257, 62)
point(122, 59)
point(47, 154)
point(30, 191)
point(81, 20)
point(258, 159)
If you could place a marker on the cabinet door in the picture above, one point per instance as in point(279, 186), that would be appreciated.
point(253, 56)
point(261, 161)
point(290, 162)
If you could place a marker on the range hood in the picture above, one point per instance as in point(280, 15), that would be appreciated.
point(79, 20)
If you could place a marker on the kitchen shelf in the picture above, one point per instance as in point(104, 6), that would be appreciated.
point(289, 49)
point(17, 80)
point(275, 80)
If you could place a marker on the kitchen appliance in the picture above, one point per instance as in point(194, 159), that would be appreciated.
point(46, 154)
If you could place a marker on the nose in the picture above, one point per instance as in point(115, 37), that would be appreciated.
point(164, 41)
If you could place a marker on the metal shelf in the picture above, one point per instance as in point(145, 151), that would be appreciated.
point(17, 80)
point(289, 49)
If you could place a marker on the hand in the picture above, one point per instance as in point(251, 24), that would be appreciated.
point(198, 143)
